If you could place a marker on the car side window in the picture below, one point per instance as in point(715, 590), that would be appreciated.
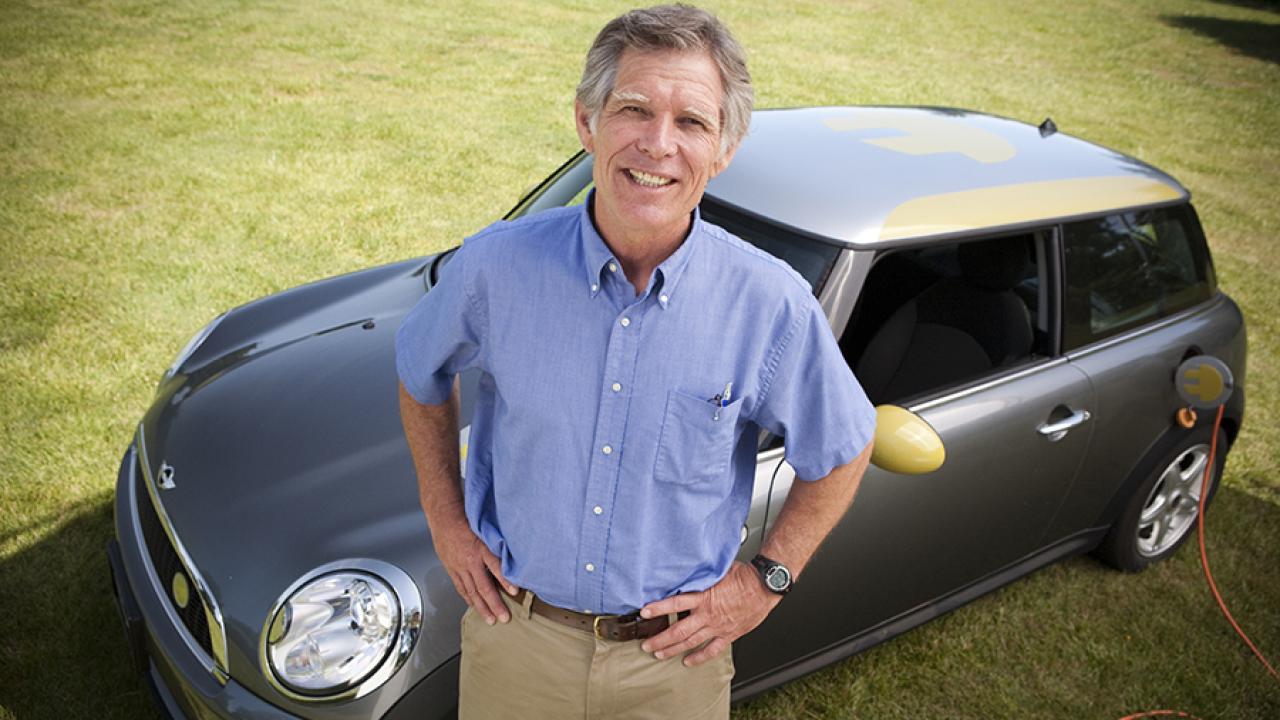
point(938, 316)
point(1128, 269)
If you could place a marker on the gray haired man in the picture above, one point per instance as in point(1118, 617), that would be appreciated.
point(630, 354)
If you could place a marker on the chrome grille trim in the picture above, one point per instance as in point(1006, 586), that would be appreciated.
point(216, 665)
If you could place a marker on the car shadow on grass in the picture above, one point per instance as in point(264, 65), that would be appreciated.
point(1258, 40)
point(1267, 5)
point(62, 649)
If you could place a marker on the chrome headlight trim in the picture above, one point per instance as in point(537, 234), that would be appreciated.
point(192, 345)
point(409, 600)
point(213, 613)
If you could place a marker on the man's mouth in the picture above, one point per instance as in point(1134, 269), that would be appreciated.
point(647, 180)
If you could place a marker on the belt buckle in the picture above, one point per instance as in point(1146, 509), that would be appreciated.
point(595, 626)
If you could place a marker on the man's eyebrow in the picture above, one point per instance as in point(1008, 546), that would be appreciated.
point(702, 115)
point(625, 96)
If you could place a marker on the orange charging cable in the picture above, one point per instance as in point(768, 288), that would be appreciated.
point(1204, 555)
point(1204, 563)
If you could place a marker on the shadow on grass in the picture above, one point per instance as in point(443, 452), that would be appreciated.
point(1271, 5)
point(62, 651)
point(1256, 39)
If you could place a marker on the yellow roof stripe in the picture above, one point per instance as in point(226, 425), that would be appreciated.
point(1024, 202)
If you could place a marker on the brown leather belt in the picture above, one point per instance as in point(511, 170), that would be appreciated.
point(607, 627)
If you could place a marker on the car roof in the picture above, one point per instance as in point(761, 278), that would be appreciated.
point(872, 177)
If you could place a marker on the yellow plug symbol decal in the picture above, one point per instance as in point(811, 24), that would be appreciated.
point(1204, 382)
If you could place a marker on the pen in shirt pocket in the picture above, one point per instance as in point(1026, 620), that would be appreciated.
point(722, 400)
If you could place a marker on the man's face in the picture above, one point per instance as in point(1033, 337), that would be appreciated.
point(656, 144)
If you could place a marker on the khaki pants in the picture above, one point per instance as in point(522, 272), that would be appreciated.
point(532, 668)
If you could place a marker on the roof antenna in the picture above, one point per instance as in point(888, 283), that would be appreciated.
point(1048, 127)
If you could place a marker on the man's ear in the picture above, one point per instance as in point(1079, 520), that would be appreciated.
point(582, 120)
point(722, 163)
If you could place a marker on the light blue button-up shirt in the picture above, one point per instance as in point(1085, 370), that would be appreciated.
point(613, 448)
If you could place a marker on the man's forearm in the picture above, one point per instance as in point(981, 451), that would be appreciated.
point(432, 434)
point(811, 512)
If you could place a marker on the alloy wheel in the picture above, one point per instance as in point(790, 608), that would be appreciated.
point(1174, 502)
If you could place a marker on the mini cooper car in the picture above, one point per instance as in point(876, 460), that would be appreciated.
point(1015, 301)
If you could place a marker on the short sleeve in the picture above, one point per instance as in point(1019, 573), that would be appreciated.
point(813, 400)
point(442, 335)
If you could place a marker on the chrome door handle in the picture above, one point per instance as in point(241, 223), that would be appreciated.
point(1057, 430)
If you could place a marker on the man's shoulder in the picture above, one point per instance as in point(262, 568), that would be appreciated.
point(767, 271)
point(536, 228)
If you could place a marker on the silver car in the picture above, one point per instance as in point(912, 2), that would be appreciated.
point(1016, 302)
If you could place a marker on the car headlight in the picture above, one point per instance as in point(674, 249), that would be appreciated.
point(341, 631)
point(192, 345)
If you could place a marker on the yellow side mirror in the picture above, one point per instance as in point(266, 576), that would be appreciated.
point(905, 443)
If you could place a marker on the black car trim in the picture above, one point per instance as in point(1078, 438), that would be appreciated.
point(1056, 260)
point(1080, 542)
point(135, 628)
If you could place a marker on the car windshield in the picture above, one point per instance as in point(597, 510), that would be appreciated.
point(811, 258)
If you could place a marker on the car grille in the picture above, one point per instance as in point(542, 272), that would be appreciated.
point(166, 563)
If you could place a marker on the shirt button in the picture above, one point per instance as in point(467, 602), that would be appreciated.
point(597, 509)
point(617, 387)
point(662, 299)
point(625, 321)
point(613, 267)
point(607, 449)
point(594, 287)
point(590, 567)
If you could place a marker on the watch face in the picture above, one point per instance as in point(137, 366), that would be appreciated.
point(777, 578)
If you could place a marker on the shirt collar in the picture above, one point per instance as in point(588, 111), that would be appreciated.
point(598, 255)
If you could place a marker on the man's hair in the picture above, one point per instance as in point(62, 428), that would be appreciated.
point(671, 27)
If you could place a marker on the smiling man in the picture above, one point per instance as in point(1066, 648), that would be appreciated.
point(630, 354)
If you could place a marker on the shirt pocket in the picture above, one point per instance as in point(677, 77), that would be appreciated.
point(696, 442)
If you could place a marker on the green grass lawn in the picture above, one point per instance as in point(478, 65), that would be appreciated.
point(163, 161)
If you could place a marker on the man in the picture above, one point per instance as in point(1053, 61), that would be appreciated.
point(630, 353)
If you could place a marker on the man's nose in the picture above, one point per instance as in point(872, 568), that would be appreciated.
point(659, 139)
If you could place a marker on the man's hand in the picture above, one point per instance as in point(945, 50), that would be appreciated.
point(472, 568)
point(720, 614)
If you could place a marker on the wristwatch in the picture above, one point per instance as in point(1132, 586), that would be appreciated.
point(775, 576)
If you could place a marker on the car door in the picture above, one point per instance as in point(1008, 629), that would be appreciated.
point(910, 541)
point(1140, 299)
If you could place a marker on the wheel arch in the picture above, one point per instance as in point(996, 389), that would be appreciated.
point(1152, 456)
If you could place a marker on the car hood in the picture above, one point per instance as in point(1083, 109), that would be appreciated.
point(288, 453)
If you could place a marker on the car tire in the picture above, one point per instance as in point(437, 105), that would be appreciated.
point(1163, 510)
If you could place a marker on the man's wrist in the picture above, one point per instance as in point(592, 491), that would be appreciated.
point(775, 576)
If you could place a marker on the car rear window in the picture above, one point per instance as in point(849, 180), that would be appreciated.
point(1128, 269)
